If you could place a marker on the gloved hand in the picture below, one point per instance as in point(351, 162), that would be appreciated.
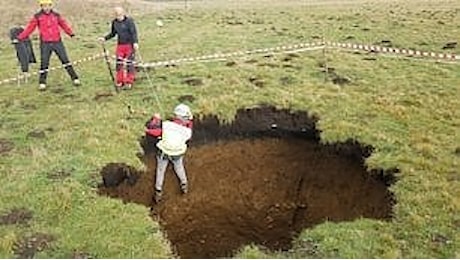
point(101, 39)
point(154, 122)
point(14, 41)
point(136, 46)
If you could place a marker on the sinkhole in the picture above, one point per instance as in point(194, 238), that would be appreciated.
point(259, 179)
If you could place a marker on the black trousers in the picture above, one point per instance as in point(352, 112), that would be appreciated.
point(46, 48)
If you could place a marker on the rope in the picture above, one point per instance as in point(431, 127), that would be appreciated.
point(219, 56)
point(155, 90)
point(426, 55)
point(89, 58)
point(396, 51)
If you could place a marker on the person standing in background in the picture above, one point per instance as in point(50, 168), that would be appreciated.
point(127, 44)
point(49, 24)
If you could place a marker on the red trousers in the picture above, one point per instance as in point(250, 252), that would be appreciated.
point(125, 57)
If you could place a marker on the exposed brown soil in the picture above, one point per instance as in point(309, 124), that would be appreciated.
point(102, 96)
point(16, 216)
point(28, 246)
point(59, 174)
point(37, 133)
point(186, 98)
point(261, 179)
point(193, 81)
point(258, 82)
point(5, 146)
point(113, 174)
point(457, 151)
point(77, 254)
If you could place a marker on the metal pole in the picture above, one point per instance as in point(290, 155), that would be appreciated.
point(107, 60)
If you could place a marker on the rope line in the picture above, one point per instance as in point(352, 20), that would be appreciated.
point(155, 90)
point(293, 48)
point(27, 75)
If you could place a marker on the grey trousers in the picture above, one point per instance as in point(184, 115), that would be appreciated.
point(162, 164)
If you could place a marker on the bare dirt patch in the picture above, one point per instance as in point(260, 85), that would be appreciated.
point(457, 151)
point(78, 254)
point(287, 80)
point(102, 96)
point(113, 174)
point(59, 174)
point(37, 133)
point(290, 57)
point(260, 179)
point(332, 74)
point(193, 81)
point(340, 80)
point(186, 98)
point(256, 81)
point(6, 146)
point(16, 216)
point(450, 45)
point(28, 246)
point(230, 64)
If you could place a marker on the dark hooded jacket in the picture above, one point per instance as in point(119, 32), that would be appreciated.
point(24, 49)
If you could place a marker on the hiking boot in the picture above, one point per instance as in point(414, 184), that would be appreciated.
point(157, 196)
point(76, 82)
point(184, 188)
point(119, 86)
point(42, 86)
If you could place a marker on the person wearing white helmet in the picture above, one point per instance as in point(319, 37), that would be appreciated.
point(49, 24)
point(173, 136)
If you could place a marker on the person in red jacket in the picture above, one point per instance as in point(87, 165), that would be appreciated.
point(172, 138)
point(124, 27)
point(49, 24)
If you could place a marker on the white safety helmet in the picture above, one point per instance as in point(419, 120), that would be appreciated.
point(183, 111)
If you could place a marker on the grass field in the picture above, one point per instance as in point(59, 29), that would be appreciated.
point(53, 144)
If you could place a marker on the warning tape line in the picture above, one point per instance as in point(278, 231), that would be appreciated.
point(301, 47)
point(26, 75)
point(397, 51)
point(279, 49)
point(224, 56)
point(304, 47)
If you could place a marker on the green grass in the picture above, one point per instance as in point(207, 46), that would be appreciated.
point(408, 109)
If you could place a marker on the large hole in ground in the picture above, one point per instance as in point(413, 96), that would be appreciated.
point(258, 180)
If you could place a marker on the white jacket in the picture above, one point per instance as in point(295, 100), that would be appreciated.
point(174, 138)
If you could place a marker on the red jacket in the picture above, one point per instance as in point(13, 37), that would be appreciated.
point(48, 26)
point(154, 126)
